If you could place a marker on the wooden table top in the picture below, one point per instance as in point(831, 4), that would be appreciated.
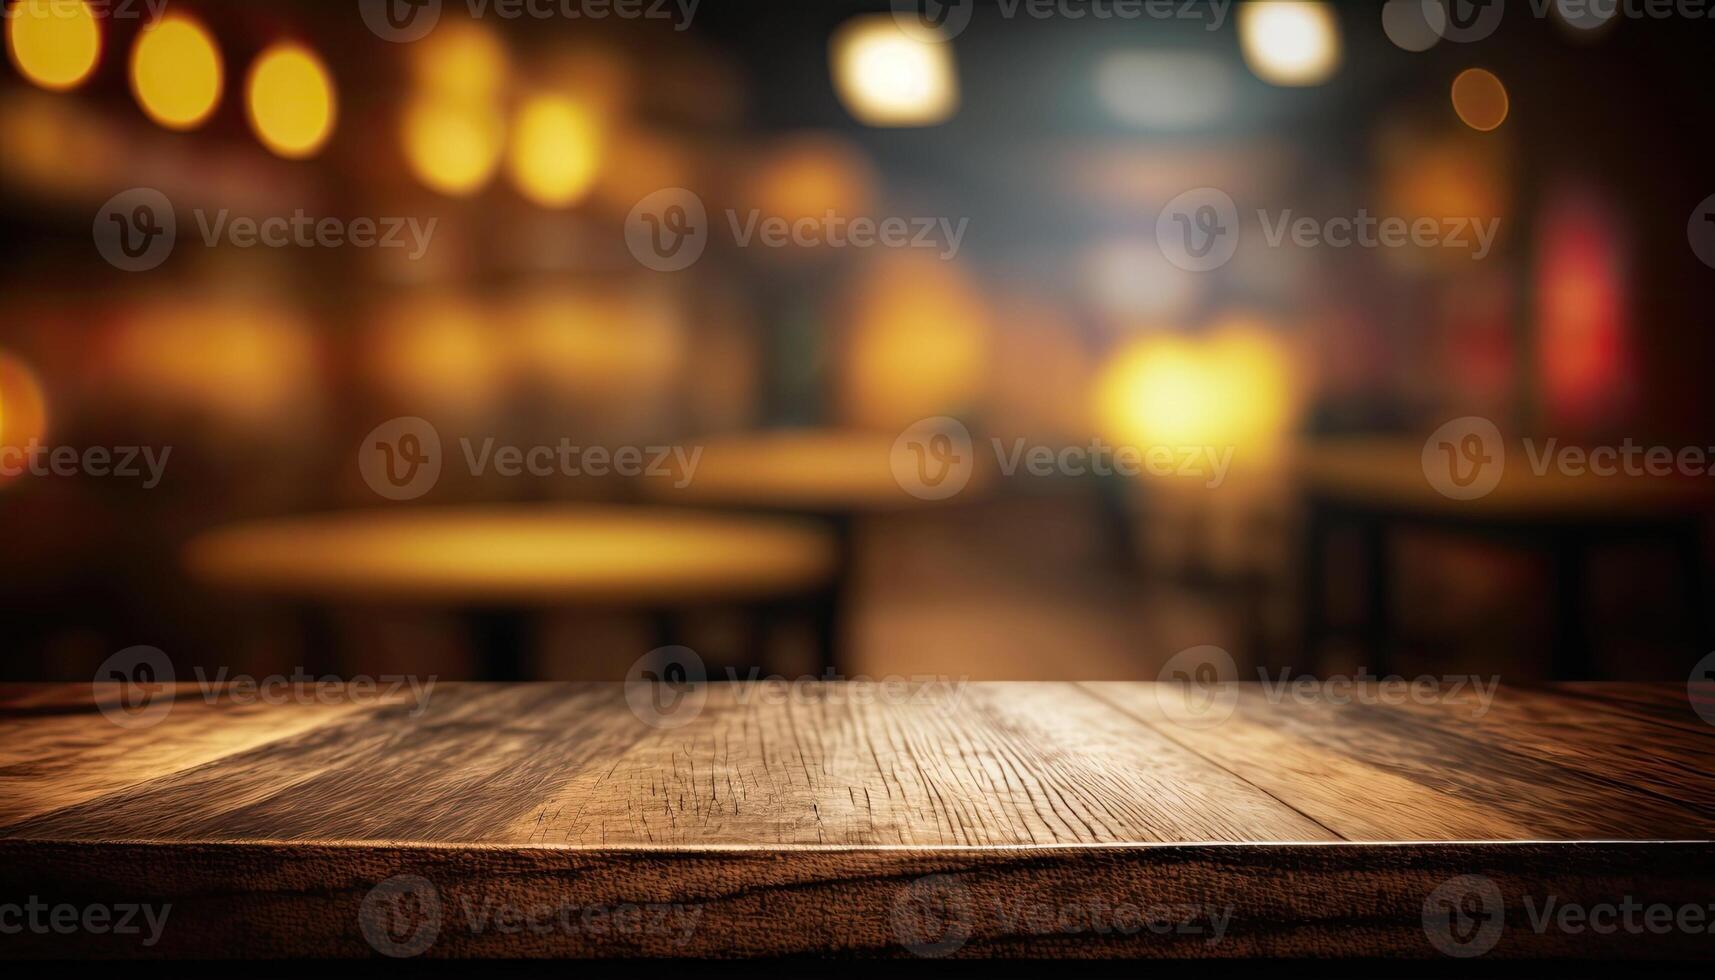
point(1389, 472)
point(800, 819)
point(823, 471)
point(517, 555)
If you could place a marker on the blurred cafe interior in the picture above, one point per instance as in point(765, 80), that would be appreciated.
point(489, 182)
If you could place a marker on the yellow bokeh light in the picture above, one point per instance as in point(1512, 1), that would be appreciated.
point(462, 60)
point(453, 146)
point(886, 77)
point(1233, 389)
point(23, 406)
point(1480, 99)
point(245, 361)
point(554, 157)
point(176, 72)
point(54, 43)
point(1290, 42)
point(437, 350)
point(920, 343)
point(291, 101)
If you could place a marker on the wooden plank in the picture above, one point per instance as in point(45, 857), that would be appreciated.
point(57, 750)
point(829, 764)
point(1081, 901)
point(1380, 773)
point(471, 763)
point(978, 765)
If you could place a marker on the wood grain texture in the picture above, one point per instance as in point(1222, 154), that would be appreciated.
point(860, 819)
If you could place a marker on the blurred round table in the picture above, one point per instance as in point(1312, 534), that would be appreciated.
point(833, 475)
point(1375, 487)
point(826, 472)
point(502, 560)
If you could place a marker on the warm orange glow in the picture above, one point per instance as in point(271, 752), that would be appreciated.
point(460, 59)
point(1232, 389)
point(554, 157)
point(451, 145)
point(919, 343)
point(291, 101)
point(440, 352)
point(238, 360)
point(1480, 99)
point(54, 43)
point(808, 176)
point(587, 343)
point(23, 406)
point(887, 77)
point(176, 72)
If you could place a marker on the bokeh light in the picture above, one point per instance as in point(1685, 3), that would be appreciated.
point(886, 77)
point(809, 175)
point(1290, 42)
point(235, 359)
point(23, 406)
point(1232, 388)
point(919, 343)
point(460, 59)
point(54, 43)
point(439, 351)
point(176, 72)
point(1414, 25)
point(554, 157)
point(291, 101)
point(1480, 99)
point(1170, 90)
point(451, 145)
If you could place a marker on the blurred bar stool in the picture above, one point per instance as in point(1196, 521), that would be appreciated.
point(499, 563)
point(1377, 487)
point(835, 476)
